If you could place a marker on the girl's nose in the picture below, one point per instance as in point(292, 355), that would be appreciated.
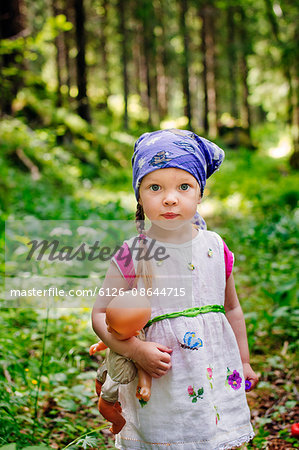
point(170, 199)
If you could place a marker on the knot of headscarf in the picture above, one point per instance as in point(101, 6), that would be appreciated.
point(181, 149)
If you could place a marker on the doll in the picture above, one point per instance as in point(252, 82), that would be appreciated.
point(126, 315)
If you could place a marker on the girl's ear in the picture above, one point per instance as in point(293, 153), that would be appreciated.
point(199, 199)
point(139, 201)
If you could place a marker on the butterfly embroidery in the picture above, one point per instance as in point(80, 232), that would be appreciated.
point(191, 342)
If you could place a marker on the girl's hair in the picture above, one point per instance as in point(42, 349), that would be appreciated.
point(144, 267)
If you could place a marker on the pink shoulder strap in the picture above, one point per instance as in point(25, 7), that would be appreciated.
point(229, 260)
point(124, 262)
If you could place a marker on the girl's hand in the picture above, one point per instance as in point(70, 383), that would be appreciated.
point(250, 375)
point(154, 358)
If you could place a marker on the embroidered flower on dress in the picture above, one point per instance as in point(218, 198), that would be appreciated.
point(194, 395)
point(191, 390)
point(234, 380)
point(210, 376)
point(217, 414)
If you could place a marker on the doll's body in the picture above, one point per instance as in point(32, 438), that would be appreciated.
point(126, 315)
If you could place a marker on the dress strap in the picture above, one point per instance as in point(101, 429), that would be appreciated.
point(191, 312)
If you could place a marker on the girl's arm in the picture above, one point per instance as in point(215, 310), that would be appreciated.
point(151, 356)
point(236, 319)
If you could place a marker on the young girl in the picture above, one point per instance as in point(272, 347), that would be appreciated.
point(196, 346)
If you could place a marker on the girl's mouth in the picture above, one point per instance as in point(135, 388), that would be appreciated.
point(170, 215)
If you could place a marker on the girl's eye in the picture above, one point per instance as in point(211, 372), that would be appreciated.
point(154, 187)
point(184, 187)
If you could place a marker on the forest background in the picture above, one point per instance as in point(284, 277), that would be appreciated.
point(80, 80)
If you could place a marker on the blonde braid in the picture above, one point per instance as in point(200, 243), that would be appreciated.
point(140, 217)
point(144, 268)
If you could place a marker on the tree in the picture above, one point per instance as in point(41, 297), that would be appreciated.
point(12, 27)
point(146, 21)
point(245, 48)
point(82, 99)
point(207, 14)
point(185, 61)
point(124, 56)
point(59, 54)
point(104, 50)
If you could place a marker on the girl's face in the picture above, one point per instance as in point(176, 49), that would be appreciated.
point(169, 197)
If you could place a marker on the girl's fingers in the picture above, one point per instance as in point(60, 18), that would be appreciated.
point(164, 366)
point(163, 348)
point(159, 373)
point(165, 358)
point(161, 370)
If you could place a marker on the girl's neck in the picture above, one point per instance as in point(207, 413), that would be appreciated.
point(182, 234)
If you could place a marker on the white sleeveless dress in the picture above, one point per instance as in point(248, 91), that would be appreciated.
point(200, 403)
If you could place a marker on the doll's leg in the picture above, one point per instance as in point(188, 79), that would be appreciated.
point(98, 387)
point(109, 406)
point(144, 385)
point(112, 412)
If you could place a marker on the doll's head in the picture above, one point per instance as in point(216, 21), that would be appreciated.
point(127, 314)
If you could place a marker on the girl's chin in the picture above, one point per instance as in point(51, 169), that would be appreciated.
point(172, 224)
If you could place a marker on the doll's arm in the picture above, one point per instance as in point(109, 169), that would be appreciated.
point(144, 385)
point(236, 319)
point(98, 347)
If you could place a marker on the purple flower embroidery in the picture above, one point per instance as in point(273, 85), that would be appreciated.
point(234, 380)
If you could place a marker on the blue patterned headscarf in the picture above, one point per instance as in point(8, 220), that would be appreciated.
point(180, 149)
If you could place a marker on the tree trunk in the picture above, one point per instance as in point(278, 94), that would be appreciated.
point(233, 70)
point(245, 48)
point(162, 78)
point(146, 61)
point(82, 99)
point(148, 80)
point(150, 62)
point(124, 57)
point(12, 26)
point(207, 13)
point(232, 62)
point(185, 62)
point(66, 39)
point(136, 89)
point(59, 55)
point(103, 43)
